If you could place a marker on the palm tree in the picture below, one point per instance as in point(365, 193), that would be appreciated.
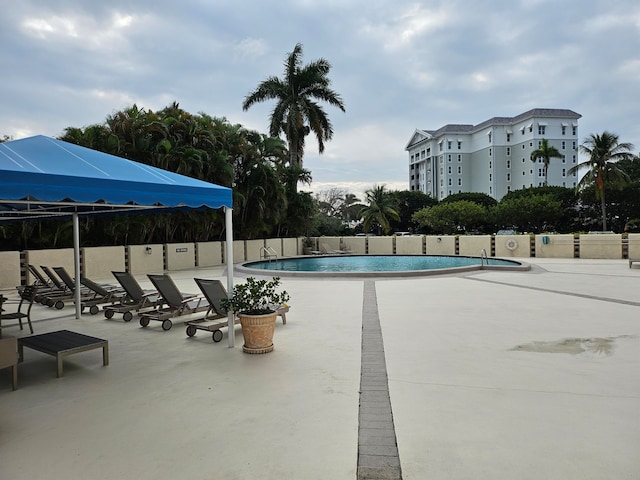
point(297, 112)
point(380, 209)
point(604, 151)
point(546, 152)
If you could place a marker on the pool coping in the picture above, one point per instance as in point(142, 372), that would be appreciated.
point(519, 266)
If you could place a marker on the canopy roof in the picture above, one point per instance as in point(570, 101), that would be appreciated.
point(44, 177)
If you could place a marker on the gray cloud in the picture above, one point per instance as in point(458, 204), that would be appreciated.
point(399, 65)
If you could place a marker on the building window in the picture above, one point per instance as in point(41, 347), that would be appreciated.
point(574, 145)
point(450, 182)
point(490, 164)
point(459, 170)
point(564, 145)
point(564, 159)
point(541, 129)
point(449, 145)
point(530, 127)
point(508, 177)
point(440, 146)
point(449, 170)
point(459, 182)
point(508, 163)
point(459, 145)
point(448, 158)
point(489, 152)
point(541, 172)
point(574, 130)
point(564, 172)
point(508, 151)
point(508, 137)
point(459, 157)
point(523, 147)
point(490, 177)
point(564, 129)
point(539, 143)
point(573, 160)
point(489, 137)
point(531, 144)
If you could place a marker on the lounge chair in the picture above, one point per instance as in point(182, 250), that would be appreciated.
point(103, 295)
point(325, 249)
point(25, 303)
point(56, 297)
point(214, 292)
point(86, 294)
point(42, 285)
point(135, 300)
point(176, 302)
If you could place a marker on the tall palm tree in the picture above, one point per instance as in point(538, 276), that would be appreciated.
point(604, 151)
point(546, 152)
point(297, 112)
point(380, 209)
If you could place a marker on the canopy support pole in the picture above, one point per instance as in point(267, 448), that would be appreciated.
point(76, 261)
point(228, 221)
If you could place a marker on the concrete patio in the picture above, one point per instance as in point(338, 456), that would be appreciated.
point(491, 375)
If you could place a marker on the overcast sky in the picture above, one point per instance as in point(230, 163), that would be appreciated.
point(398, 65)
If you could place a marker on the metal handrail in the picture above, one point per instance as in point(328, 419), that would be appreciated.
point(483, 257)
point(268, 253)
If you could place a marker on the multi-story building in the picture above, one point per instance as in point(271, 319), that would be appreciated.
point(494, 157)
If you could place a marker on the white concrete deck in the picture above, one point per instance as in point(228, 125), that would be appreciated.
point(467, 402)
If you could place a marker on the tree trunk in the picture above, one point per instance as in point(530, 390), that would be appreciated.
point(604, 211)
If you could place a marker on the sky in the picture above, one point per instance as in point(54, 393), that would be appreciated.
point(398, 65)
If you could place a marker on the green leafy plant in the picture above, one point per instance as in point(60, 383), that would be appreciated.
point(255, 297)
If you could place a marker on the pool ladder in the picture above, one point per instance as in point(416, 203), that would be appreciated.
point(483, 257)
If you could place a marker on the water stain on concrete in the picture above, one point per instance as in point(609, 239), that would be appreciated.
point(573, 346)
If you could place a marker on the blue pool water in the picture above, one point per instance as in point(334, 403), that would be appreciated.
point(359, 264)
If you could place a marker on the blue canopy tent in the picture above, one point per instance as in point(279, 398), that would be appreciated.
point(41, 177)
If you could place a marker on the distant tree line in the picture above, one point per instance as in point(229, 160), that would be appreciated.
point(607, 197)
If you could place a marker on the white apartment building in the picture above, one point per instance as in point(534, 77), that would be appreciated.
point(493, 157)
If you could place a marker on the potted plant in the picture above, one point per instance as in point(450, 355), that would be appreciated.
point(256, 302)
point(308, 245)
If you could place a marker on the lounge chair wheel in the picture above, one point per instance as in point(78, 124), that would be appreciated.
point(128, 316)
point(166, 325)
point(144, 321)
point(217, 335)
point(94, 309)
point(191, 331)
point(109, 313)
point(49, 302)
point(59, 305)
point(44, 301)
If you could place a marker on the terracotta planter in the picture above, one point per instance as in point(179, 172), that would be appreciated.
point(257, 331)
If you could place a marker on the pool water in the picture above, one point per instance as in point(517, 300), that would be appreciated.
point(372, 264)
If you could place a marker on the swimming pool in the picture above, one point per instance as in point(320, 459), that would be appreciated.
point(376, 265)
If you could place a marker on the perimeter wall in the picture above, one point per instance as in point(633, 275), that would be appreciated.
point(97, 263)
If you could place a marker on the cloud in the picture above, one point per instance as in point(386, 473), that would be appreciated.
point(399, 65)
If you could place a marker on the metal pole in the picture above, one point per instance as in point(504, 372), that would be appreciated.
point(228, 221)
point(76, 261)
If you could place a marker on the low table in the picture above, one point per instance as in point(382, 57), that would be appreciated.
point(63, 343)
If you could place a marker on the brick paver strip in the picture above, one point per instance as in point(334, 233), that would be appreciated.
point(377, 447)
